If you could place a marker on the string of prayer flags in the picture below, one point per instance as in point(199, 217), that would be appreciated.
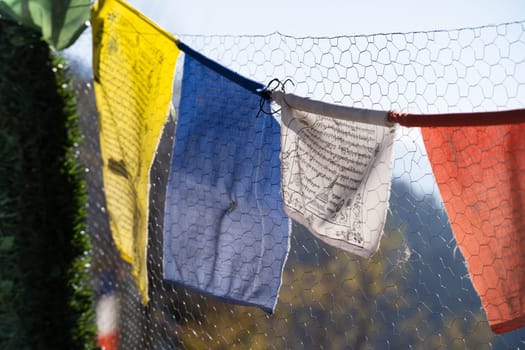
point(133, 65)
point(225, 231)
point(480, 171)
point(107, 312)
point(336, 173)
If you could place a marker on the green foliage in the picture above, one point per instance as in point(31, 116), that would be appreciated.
point(80, 300)
point(45, 299)
point(60, 21)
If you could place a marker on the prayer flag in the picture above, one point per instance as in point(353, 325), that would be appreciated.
point(225, 231)
point(106, 312)
point(480, 171)
point(336, 172)
point(133, 63)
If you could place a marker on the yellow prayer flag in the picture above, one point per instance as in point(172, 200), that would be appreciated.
point(133, 66)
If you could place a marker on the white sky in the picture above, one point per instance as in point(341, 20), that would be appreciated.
point(316, 18)
point(326, 17)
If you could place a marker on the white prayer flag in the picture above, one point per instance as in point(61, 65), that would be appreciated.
point(336, 173)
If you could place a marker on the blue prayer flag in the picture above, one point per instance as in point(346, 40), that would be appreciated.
point(225, 230)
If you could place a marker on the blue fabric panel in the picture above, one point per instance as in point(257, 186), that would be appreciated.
point(225, 230)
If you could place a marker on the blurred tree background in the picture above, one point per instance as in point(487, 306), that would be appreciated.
point(340, 302)
point(409, 295)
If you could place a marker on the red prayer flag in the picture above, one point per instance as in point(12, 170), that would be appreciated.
point(480, 171)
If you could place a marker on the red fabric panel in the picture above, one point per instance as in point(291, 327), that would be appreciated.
point(108, 341)
point(480, 172)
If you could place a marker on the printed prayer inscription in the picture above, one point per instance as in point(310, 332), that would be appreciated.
point(134, 64)
point(336, 178)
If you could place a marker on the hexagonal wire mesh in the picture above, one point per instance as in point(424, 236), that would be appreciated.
point(415, 292)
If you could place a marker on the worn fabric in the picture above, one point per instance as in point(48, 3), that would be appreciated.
point(481, 176)
point(133, 66)
point(225, 231)
point(336, 175)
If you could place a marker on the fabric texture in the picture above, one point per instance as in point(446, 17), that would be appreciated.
point(336, 176)
point(133, 65)
point(225, 231)
point(480, 172)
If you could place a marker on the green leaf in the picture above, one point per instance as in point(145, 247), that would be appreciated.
point(60, 21)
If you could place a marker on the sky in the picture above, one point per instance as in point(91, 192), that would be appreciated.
point(315, 18)
point(326, 17)
point(302, 18)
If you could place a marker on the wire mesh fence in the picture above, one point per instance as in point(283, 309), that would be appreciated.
point(415, 292)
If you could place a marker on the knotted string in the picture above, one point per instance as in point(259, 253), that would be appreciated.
point(266, 95)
